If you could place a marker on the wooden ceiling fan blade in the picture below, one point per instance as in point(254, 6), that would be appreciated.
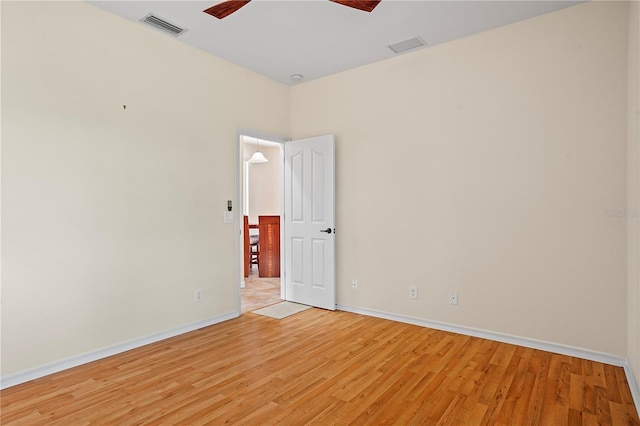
point(225, 8)
point(366, 5)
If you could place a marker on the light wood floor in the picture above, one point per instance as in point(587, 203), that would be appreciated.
point(326, 368)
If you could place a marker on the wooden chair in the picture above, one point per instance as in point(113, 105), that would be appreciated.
point(254, 251)
point(247, 248)
point(251, 247)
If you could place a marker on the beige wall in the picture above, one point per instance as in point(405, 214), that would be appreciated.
point(518, 141)
point(112, 217)
point(633, 189)
point(486, 166)
point(264, 183)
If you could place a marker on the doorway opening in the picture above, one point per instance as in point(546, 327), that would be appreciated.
point(260, 206)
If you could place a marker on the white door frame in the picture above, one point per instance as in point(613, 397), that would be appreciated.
point(239, 208)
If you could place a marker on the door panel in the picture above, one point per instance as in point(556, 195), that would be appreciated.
point(297, 255)
point(319, 248)
point(309, 202)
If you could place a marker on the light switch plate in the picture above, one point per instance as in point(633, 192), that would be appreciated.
point(228, 217)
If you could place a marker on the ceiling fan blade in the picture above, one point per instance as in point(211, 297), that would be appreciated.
point(225, 8)
point(366, 5)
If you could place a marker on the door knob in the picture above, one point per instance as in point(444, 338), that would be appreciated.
point(328, 230)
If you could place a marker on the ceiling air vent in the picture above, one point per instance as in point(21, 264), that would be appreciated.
point(163, 25)
point(403, 46)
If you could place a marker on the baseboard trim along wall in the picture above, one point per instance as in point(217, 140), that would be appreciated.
point(514, 340)
point(45, 370)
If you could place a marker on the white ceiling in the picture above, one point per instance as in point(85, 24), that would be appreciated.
point(317, 38)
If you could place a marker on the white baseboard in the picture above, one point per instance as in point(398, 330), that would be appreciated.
point(633, 384)
point(45, 370)
point(514, 340)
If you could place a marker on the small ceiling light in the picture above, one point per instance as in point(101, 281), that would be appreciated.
point(296, 77)
point(257, 156)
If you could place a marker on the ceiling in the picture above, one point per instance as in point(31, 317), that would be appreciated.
point(317, 38)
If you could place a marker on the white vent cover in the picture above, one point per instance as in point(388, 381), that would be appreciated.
point(163, 25)
point(403, 46)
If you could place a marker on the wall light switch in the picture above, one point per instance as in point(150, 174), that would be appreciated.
point(228, 217)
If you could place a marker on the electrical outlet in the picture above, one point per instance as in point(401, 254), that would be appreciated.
point(197, 295)
point(354, 284)
point(453, 297)
point(413, 292)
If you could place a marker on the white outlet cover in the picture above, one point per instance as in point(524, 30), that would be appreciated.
point(413, 292)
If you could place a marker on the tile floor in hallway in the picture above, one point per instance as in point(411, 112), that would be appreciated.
point(259, 292)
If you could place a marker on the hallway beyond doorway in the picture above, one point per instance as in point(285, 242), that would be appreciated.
point(259, 292)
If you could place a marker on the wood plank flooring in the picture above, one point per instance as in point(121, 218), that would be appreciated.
point(326, 368)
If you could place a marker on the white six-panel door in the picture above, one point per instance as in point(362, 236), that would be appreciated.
point(309, 233)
